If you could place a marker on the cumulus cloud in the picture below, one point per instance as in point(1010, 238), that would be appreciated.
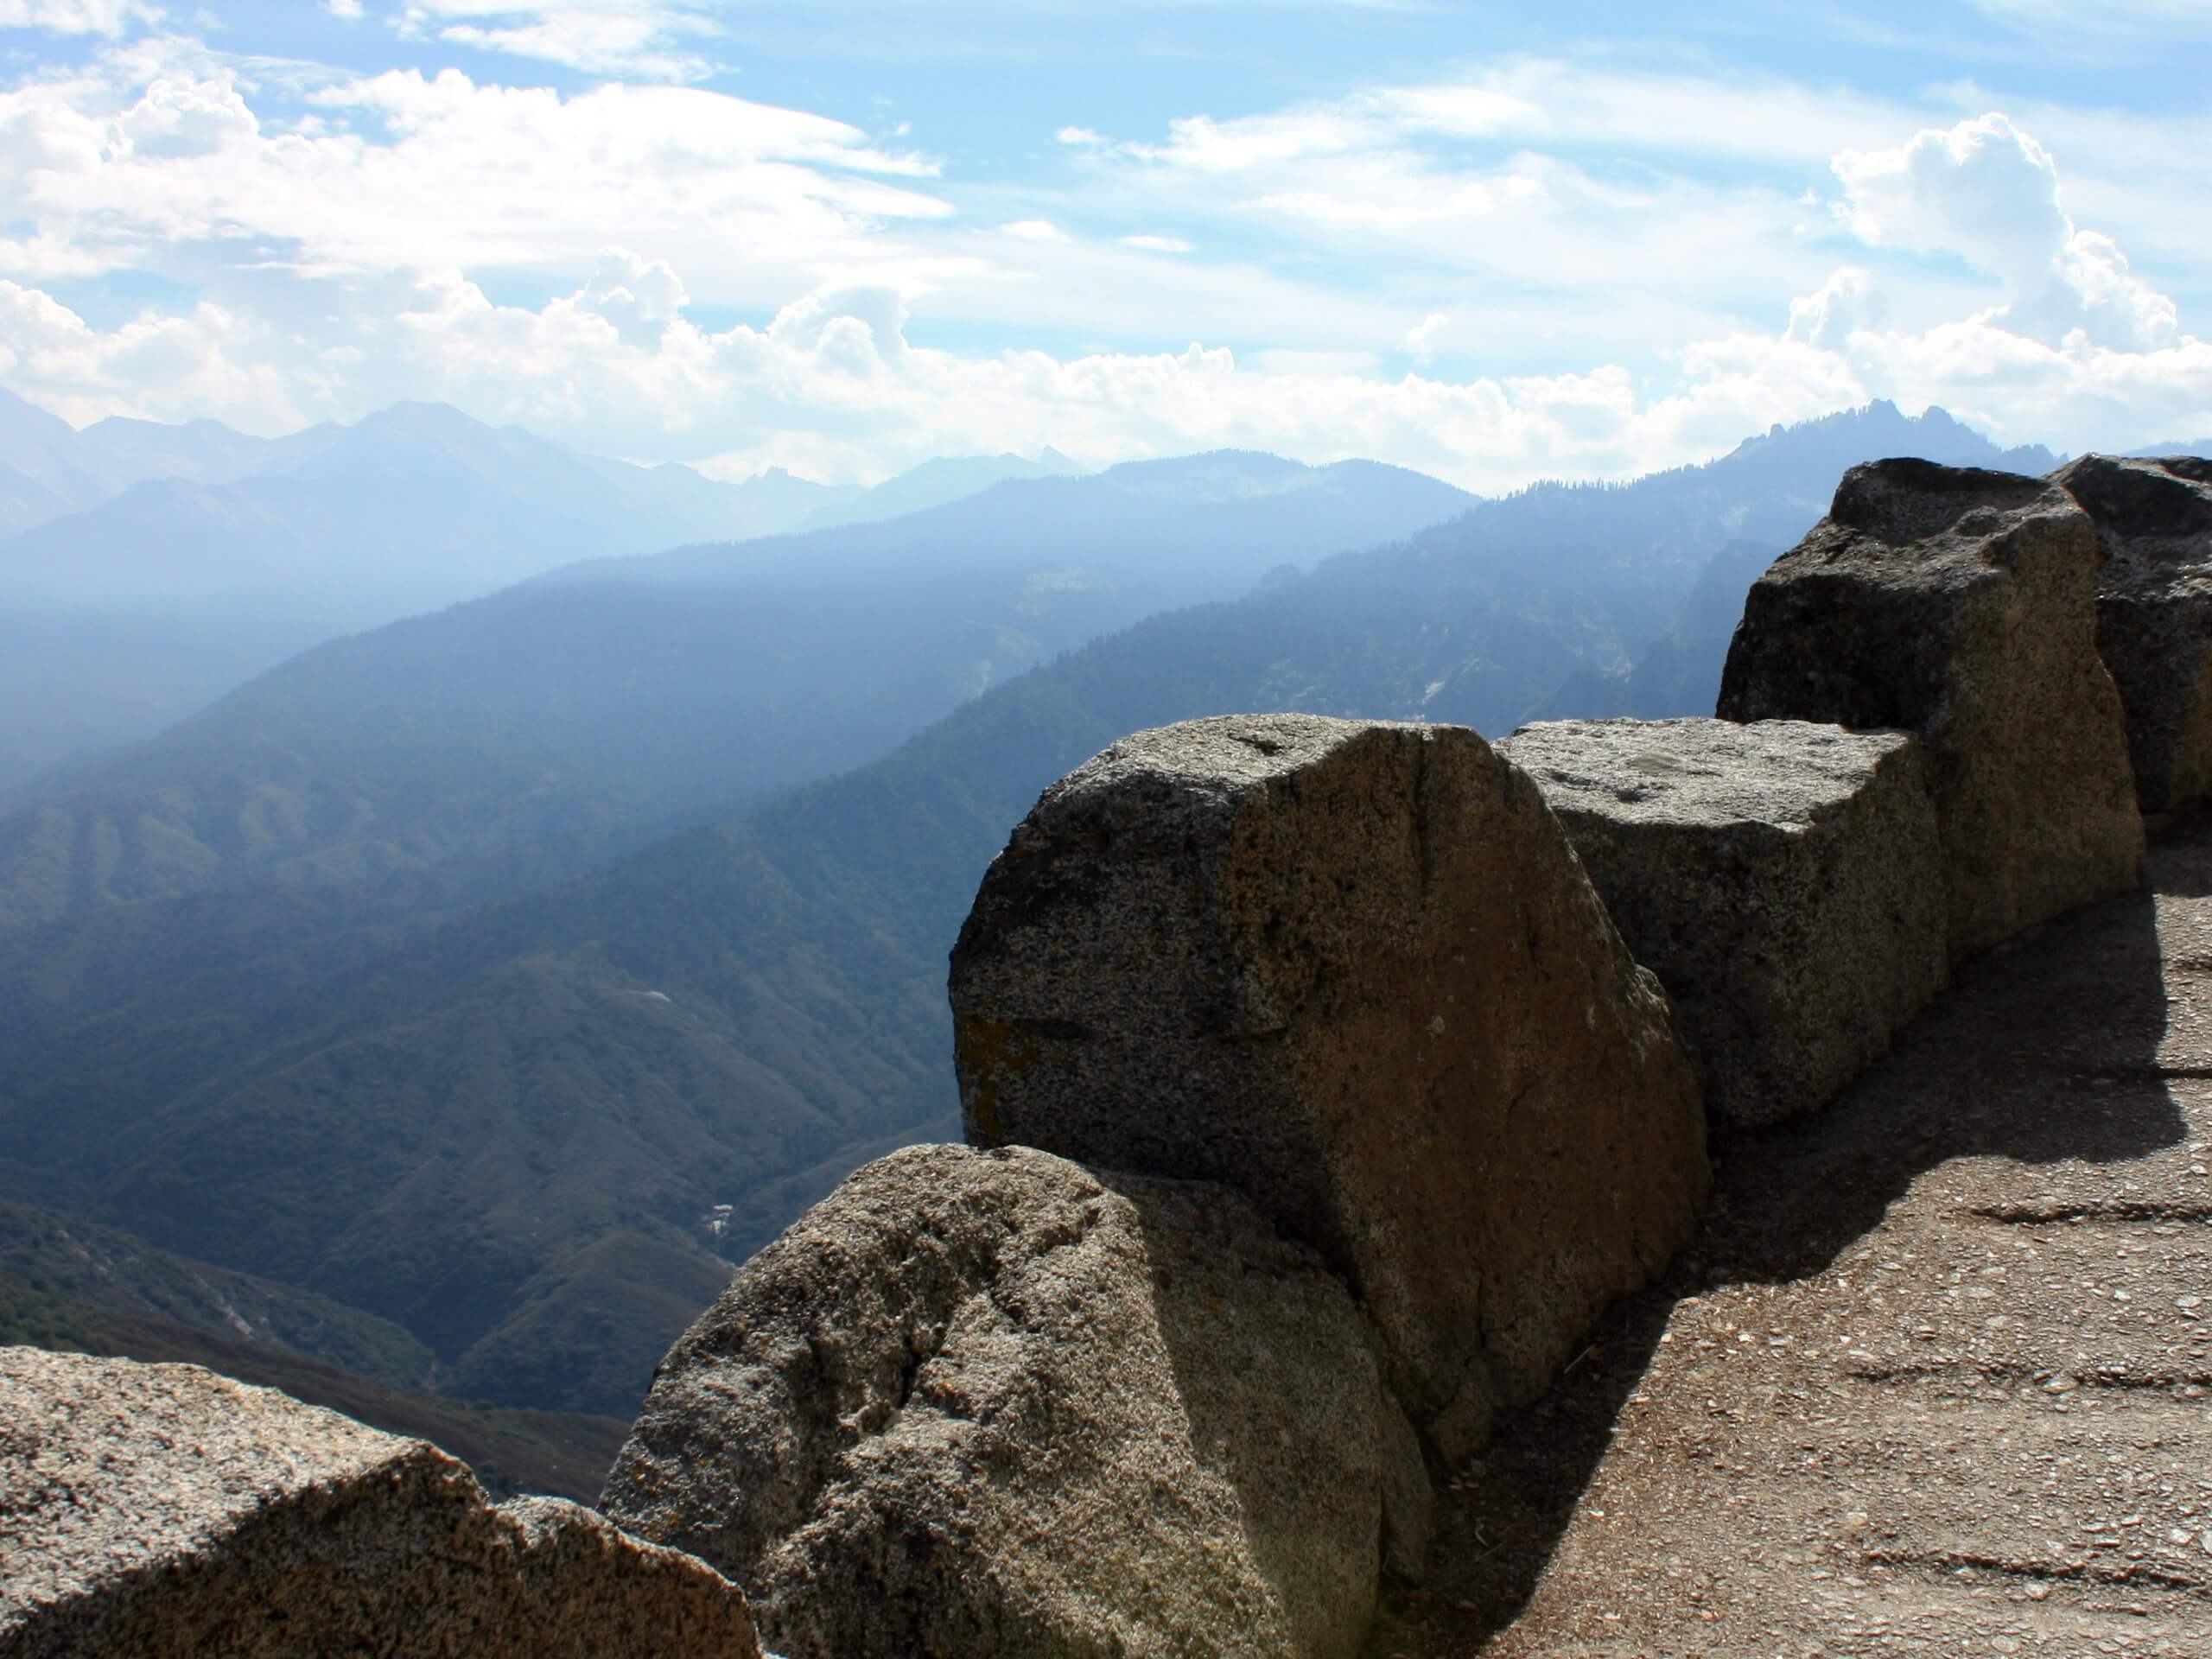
point(1034, 230)
point(1844, 304)
point(638, 297)
point(1420, 340)
point(1988, 192)
point(1150, 243)
point(179, 119)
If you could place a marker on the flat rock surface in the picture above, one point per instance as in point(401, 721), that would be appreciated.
point(1694, 773)
point(1353, 969)
point(982, 1404)
point(164, 1511)
point(1937, 1378)
point(1783, 880)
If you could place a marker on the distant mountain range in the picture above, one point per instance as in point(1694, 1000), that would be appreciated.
point(518, 738)
point(532, 1133)
point(145, 570)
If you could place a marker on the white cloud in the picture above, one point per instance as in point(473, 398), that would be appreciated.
point(1845, 303)
point(184, 119)
point(647, 40)
point(1420, 340)
point(163, 165)
point(1989, 192)
point(343, 237)
point(107, 17)
point(344, 11)
point(1083, 137)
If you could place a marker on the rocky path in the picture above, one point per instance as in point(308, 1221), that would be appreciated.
point(1938, 1378)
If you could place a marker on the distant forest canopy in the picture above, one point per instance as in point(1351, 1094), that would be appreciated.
point(433, 975)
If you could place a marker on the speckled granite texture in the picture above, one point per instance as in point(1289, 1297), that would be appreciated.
point(2154, 612)
point(990, 1404)
point(1784, 880)
point(164, 1512)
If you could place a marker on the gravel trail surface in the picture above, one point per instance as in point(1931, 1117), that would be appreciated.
point(1937, 1378)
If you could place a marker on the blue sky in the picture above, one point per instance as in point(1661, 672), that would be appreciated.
point(1494, 243)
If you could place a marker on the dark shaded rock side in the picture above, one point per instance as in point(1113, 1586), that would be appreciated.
point(2154, 612)
point(1961, 605)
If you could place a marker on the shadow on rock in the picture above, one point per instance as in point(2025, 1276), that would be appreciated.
point(2045, 1051)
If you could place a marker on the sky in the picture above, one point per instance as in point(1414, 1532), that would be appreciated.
point(1494, 243)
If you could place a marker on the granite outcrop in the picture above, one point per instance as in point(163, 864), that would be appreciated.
point(1961, 605)
point(1354, 971)
point(991, 1403)
point(166, 1512)
point(2153, 521)
point(1783, 880)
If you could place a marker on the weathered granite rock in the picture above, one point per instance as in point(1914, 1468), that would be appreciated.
point(1355, 970)
point(992, 1403)
point(165, 1512)
point(1961, 605)
point(2154, 612)
point(1784, 880)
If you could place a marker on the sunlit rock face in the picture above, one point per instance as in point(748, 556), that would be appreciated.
point(996, 1404)
point(166, 1512)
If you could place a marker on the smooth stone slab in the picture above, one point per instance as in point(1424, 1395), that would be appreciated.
point(1961, 605)
point(1355, 970)
point(165, 1512)
point(993, 1403)
point(1783, 880)
point(2154, 612)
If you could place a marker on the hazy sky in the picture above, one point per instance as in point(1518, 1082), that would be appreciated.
point(1494, 243)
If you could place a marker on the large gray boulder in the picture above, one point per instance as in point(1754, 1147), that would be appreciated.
point(1784, 880)
point(977, 1404)
point(165, 1512)
point(2154, 612)
point(1960, 604)
point(1355, 970)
